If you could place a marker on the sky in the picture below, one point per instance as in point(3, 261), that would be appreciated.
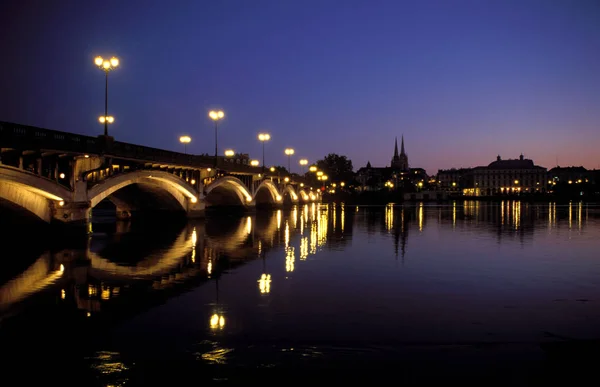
point(463, 81)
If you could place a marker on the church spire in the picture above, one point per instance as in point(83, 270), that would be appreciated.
point(396, 148)
point(401, 147)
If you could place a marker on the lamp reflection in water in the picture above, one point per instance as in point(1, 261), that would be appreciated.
point(264, 283)
point(217, 321)
point(389, 217)
point(289, 259)
point(249, 225)
point(194, 240)
point(303, 248)
point(287, 236)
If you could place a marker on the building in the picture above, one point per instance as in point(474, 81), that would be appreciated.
point(399, 161)
point(569, 175)
point(454, 180)
point(507, 177)
point(397, 175)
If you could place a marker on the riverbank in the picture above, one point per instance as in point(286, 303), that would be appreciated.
point(382, 198)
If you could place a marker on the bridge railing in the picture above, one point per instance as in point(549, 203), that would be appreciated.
point(23, 136)
point(27, 137)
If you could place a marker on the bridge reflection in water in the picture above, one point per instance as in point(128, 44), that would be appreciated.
point(133, 261)
point(138, 261)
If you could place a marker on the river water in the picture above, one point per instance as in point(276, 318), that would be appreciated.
point(467, 291)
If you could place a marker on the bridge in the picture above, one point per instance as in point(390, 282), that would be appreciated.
point(60, 177)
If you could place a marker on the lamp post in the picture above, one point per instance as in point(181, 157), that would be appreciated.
point(185, 140)
point(106, 120)
point(106, 66)
point(303, 162)
point(263, 137)
point(289, 152)
point(216, 115)
point(229, 152)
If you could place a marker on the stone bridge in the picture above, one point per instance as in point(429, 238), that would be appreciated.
point(60, 177)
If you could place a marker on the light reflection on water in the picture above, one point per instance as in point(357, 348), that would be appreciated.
point(328, 281)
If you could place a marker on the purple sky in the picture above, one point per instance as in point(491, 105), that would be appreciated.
point(462, 80)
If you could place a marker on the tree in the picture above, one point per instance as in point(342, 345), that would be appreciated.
point(338, 168)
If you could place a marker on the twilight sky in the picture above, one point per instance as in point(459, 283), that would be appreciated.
point(462, 80)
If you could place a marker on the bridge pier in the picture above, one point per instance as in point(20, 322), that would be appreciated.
point(123, 214)
point(197, 209)
point(72, 217)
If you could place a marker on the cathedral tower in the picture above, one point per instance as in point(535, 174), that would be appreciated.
point(399, 161)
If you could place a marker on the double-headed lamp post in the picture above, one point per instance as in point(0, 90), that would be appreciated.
point(106, 65)
point(216, 115)
point(263, 137)
point(303, 162)
point(185, 140)
point(289, 152)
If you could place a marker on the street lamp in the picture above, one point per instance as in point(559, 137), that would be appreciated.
point(289, 152)
point(229, 152)
point(106, 119)
point(263, 137)
point(185, 140)
point(216, 115)
point(303, 162)
point(254, 163)
point(313, 168)
point(106, 65)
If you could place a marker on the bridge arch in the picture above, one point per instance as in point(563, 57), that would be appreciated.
point(178, 188)
point(289, 190)
point(31, 192)
point(272, 192)
point(304, 196)
point(232, 185)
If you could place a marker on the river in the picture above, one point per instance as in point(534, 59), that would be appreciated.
point(420, 293)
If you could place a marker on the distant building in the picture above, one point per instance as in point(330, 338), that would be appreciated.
point(569, 175)
point(399, 161)
point(504, 177)
point(398, 174)
point(454, 180)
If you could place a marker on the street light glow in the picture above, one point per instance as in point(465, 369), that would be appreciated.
point(303, 161)
point(229, 152)
point(185, 139)
point(106, 64)
point(216, 115)
point(289, 151)
point(254, 163)
point(313, 168)
point(264, 136)
point(109, 119)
